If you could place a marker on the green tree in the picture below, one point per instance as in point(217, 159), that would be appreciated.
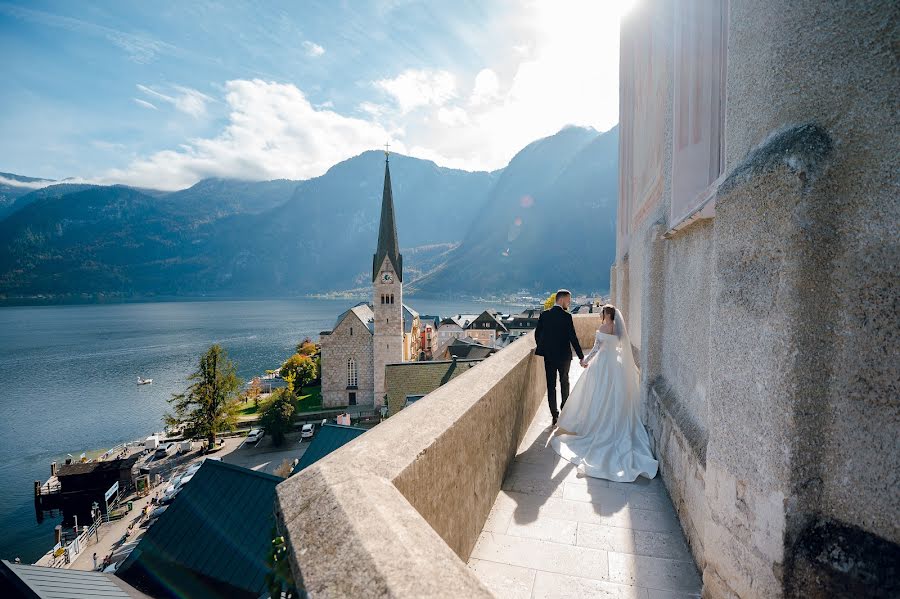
point(278, 416)
point(303, 368)
point(209, 406)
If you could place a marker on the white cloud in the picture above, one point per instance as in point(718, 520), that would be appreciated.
point(187, 100)
point(313, 49)
point(273, 132)
point(453, 117)
point(565, 72)
point(487, 87)
point(414, 88)
point(145, 104)
point(26, 184)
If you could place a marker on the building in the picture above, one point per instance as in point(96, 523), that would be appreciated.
point(524, 321)
point(409, 382)
point(449, 330)
point(212, 541)
point(412, 333)
point(756, 266)
point(39, 582)
point(486, 328)
point(328, 438)
point(465, 347)
point(428, 336)
point(368, 336)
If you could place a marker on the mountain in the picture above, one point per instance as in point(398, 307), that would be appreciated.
point(546, 220)
point(548, 223)
point(12, 187)
point(224, 237)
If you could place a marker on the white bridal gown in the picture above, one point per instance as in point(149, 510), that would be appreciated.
point(608, 439)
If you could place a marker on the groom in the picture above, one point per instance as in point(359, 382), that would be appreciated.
point(555, 333)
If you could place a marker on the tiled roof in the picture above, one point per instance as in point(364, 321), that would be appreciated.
point(106, 465)
point(419, 378)
point(213, 539)
point(20, 580)
point(329, 438)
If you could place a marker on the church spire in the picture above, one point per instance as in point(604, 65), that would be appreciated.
point(387, 230)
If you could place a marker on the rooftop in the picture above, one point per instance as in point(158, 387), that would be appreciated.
point(213, 539)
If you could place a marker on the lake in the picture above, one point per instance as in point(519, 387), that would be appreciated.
point(68, 379)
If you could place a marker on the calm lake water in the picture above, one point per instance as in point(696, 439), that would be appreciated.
point(68, 379)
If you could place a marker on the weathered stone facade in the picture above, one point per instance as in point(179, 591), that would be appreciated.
point(764, 309)
point(351, 339)
point(388, 338)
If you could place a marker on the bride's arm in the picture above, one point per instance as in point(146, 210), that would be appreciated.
point(598, 344)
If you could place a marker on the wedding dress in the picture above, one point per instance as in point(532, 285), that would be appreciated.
point(601, 427)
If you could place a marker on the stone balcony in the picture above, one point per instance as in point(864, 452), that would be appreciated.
point(459, 495)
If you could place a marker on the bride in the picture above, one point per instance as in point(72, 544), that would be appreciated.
point(600, 429)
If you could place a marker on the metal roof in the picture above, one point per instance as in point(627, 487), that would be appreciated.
point(214, 537)
point(329, 438)
point(56, 583)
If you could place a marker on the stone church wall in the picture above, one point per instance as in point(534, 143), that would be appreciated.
point(768, 332)
point(337, 348)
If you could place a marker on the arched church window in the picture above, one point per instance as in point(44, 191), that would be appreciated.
point(352, 378)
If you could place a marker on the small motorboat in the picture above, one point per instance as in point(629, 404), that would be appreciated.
point(143, 381)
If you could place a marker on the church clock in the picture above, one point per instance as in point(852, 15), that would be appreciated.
point(387, 277)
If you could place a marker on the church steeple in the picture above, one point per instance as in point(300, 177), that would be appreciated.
point(388, 246)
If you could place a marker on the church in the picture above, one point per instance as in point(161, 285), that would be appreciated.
point(370, 335)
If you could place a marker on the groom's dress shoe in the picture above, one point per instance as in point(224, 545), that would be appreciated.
point(555, 418)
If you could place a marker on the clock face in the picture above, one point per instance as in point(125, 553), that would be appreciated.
point(387, 277)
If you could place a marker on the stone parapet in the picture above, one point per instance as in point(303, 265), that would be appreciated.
point(396, 512)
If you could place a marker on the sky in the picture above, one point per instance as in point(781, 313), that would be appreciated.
point(162, 94)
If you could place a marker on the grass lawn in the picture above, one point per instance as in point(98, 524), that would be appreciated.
point(310, 401)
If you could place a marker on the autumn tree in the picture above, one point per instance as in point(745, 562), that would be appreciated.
point(209, 406)
point(303, 368)
point(307, 347)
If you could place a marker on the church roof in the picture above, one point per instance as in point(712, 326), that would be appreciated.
point(363, 311)
point(388, 245)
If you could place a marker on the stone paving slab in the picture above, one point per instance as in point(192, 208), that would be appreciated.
point(553, 534)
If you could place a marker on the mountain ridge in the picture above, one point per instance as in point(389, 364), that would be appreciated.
point(232, 238)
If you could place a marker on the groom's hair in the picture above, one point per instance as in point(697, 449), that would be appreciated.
point(563, 293)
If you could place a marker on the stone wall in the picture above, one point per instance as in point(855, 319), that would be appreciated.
point(768, 332)
point(337, 348)
point(395, 512)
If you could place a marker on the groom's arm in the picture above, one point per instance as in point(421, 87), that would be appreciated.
point(573, 338)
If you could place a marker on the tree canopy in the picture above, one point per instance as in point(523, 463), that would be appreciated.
point(302, 367)
point(209, 406)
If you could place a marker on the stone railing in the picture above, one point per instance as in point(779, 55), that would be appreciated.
point(397, 511)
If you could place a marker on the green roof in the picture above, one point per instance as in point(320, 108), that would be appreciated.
point(329, 438)
point(213, 539)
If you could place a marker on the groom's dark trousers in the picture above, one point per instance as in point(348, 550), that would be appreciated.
point(556, 338)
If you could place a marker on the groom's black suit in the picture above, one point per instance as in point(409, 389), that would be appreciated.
point(554, 335)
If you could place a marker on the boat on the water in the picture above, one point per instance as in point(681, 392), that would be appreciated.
point(143, 381)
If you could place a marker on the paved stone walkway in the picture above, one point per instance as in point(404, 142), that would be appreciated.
point(554, 534)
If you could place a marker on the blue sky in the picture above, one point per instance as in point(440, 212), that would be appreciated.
point(162, 94)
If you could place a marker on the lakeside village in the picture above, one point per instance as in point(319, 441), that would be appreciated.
point(163, 513)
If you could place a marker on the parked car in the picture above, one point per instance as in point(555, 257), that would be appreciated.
point(254, 436)
point(166, 450)
point(307, 431)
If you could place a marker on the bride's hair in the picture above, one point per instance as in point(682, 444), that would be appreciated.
point(609, 310)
